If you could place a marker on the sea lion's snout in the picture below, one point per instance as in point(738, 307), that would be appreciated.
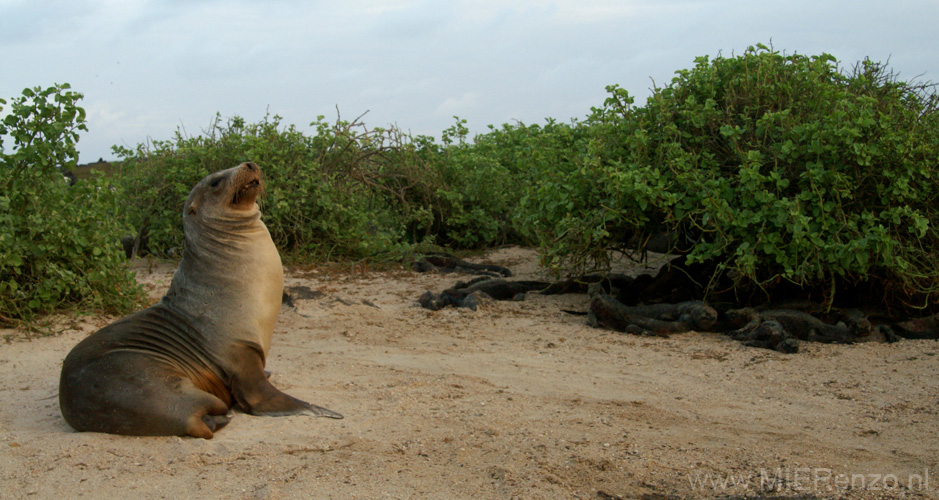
point(249, 182)
point(250, 170)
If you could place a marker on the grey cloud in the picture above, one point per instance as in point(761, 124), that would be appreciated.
point(147, 67)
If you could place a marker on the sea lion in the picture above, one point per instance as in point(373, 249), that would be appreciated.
point(178, 367)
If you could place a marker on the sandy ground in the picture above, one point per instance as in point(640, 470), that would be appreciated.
point(517, 400)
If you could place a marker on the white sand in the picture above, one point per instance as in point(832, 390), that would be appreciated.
point(518, 400)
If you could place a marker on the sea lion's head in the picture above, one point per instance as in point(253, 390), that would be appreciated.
point(229, 194)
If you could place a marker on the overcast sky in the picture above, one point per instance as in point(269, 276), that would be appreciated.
point(147, 68)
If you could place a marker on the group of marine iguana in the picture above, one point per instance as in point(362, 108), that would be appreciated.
point(615, 304)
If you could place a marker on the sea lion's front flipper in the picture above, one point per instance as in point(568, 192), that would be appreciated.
point(255, 394)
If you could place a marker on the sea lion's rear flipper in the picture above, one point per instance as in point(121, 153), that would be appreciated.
point(216, 422)
point(255, 394)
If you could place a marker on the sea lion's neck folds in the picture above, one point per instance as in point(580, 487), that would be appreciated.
point(233, 265)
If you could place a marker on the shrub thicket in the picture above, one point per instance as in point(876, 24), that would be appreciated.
point(771, 168)
point(777, 168)
point(486, 180)
point(344, 191)
point(58, 243)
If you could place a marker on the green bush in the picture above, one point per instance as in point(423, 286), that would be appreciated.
point(479, 186)
point(344, 191)
point(775, 167)
point(58, 244)
point(309, 209)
